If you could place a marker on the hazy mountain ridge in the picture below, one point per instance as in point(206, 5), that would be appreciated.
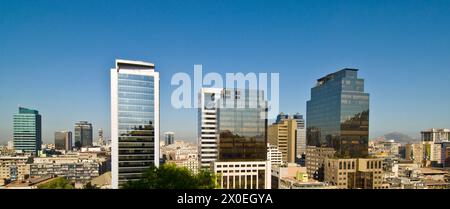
point(400, 137)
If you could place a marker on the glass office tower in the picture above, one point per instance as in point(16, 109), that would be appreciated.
point(242, 126)
point(338, 114)
point(134, 120)
point(27, 132)
point(242, 139)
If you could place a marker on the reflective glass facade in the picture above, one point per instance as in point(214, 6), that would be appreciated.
point(136, 132)
point(242, 126)
point(338, 114)
point(27, 130)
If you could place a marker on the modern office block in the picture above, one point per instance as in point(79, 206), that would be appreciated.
point(338, 114)
point(27, 131)
point(134, 120)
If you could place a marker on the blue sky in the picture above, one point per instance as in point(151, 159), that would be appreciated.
point(55, 56)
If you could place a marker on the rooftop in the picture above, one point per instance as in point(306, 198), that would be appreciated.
point(121, 63)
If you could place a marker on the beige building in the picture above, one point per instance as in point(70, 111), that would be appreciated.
point(191, 163)
point(283, 135)
point(315, 158)
point(414, 152)
point(14, 168)
point(355, 173)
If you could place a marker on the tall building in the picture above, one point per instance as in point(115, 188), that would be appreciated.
point(301, 135)
point(207, 127)
point(241, 122)
point(338, 114)
point(414, 152)
point(83, 134)
point(27, 131)
point(63, 140)
point(169, 138)
point(283, 135)
point(134, 120)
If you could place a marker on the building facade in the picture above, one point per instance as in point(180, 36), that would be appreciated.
point(301, 135)
point(63, 140)
point(134, 120)
point(169, 138)
point(27, 132)
point(243, 175)
point(338, 114)
point(432, 140)
point(354, 173)
point(207, 127)
point(315, 160)
point(83, 134)
point(14, 168)
point(72, 168)
point(241, 120)
point(284, 135)
point(414, 152)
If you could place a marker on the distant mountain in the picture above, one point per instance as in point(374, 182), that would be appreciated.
point(400, 137)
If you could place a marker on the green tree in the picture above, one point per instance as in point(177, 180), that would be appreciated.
point(169, 176)
point(58, 183)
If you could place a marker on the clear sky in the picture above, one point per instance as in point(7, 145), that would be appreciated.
point(55, 56)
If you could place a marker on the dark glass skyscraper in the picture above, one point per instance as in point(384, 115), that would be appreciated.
point(27, 131)
point(338, 114)
point(83, 134)
point(242, 126)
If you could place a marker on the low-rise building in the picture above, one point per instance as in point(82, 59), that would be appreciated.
point(274, 155)
point(315, 159)
point(354, 173)
point(14, 168)
point(73, 168)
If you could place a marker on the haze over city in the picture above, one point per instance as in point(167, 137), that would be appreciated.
point(55, 56)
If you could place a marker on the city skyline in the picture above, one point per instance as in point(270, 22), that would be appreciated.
point(399, 57)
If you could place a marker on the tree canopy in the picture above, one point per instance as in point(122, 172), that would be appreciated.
point(169, 176)
point(58, 183)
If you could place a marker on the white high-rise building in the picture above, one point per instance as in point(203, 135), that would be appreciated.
point(207, 127)
point(274, 155)
point(134, 120)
